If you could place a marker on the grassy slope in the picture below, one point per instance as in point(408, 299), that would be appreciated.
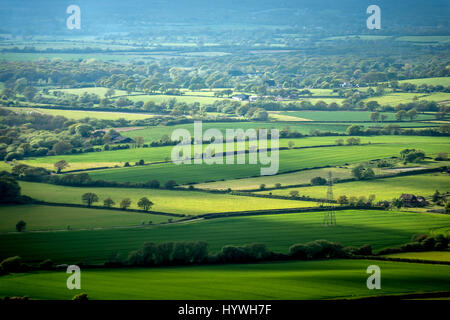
point(384, 189)
point(56, 218)
point(283, 280)
point(431, 255)
point(354, 228)
point(182, 202)
point(289, 160)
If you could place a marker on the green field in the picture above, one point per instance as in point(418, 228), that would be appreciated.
point(78, 114)
point(344, 115)
point(270, 181)
point(430, 255)
point(404, 97)
point(381, 229)
point(100, 91)
point(383, 189)
point(157, 154)
point(281, 280)
point(181, 202)
point(155, 133)
point(39, 218)
point(289, 160)
point(443, 81)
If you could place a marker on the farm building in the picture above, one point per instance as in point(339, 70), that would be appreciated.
point(121, 139)
point(241, 97)
point(410, 200)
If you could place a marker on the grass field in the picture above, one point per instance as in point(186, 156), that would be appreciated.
point(100, 91)
point(282, 280)
point(270, 181)
point(78, 114)
point(40, 218)
point(155, 133)
point(443, 81)
point(381, 229)
point(383, 189)
point(157, 154)
point(404, 97)
point(344, 115)
point(430, 255)
point(289, 160)
point(181, 202)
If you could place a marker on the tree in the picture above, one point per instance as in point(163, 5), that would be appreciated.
point(340, 142)
point(29, 93)
point(108, 202)
point(89, 198)
point(400, 115)
point(374, 116)
point(294, 194)
point(110, 93)
point(342, 200)
point(318, 181)
point(9, 190)
point(125, 203)
point(262, 186)
point(353, 141)
point(362, 172)
point(411, 114)
point(412, 155)
point(62, 147)
point(61, 165)
point(145, 204)
point(170, 184)
point(398, 203)
point(21, 225)
point(291, 144)
point(139, 141)
point(354, 130)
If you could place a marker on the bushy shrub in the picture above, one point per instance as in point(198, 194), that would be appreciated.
point(298, 251)
point(242, 254)
point(12, 264)
point(319, 249)
point(364, 250)
point(169, 253)
point(318, 181)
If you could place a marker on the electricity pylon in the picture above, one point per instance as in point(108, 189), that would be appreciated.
point(330, 218)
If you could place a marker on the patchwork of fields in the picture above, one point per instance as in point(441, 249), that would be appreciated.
point(289, 160)
point(380, 229)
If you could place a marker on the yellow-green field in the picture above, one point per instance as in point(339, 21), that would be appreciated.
point(78, 114)
point(383, 189)
point(181, 202)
